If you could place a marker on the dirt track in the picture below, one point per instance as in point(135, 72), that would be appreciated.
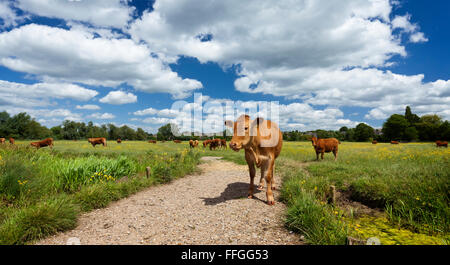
point(206, 208)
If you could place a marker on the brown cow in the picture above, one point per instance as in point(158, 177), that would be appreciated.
point(177, 141)
point(223, 143)
point(325, 146)
point(441, 143)
point(262, 141)
point(43, 143)
point(2, 140)
point(206, 143)
point(152, 141)
point(394, 142)
point(11, 140)
point(119, 141)
point(193, 143)
point(97, 140)
point(215, 143)
point(374, 142)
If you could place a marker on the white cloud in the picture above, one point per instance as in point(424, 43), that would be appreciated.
point(75, 55)
point(149, 111)
point(39, 94)
point(300, 51)
point(88, 107)
point(107, 13)
point(119, 98)
point(8, 16)
point(101, 116)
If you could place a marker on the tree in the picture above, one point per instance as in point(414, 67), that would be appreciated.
point(165, 132)
point(363, 132)
point(428, 127)
point(394, 128)
point(141, 134)
point(410, 117)
point(411, 134)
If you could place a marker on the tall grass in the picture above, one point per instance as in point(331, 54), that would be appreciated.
point(43, 191)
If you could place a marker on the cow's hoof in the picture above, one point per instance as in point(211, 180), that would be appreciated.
point(260, 187)
point(271, 203)
point(250, 196)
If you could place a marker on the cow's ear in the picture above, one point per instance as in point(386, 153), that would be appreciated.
point(229, 123)
point(257, 122)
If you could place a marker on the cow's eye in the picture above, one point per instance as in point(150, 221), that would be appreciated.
point(246, 128)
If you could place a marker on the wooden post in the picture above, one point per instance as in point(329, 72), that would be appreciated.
point(332, 194)
point(147, 170)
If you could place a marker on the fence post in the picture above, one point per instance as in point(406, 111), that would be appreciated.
point(147, 171)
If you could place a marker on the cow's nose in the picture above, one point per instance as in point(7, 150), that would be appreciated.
point(232, 144)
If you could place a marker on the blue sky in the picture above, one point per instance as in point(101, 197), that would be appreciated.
point(327, 63)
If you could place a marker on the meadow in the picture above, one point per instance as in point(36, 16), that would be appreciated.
point(43, 191)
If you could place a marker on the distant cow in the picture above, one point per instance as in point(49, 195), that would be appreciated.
point(325, 146)
point(206, 143)
point(2, 140)
point(152, 141)
point(394, 142)
point(441, 143)
point(119, 141)
point(98, 140)
point(374, 142)
point(47, 142)
point(262, 141)
point(177, 141)
point(11, 140)
point(193, 143)
point(223, 142)
point(215, 143)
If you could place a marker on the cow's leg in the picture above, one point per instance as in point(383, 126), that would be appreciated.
point(273, 177)
point(252, 171)
point(335, 152)
point(322, 155)
point(269, 179)
point(263, 175)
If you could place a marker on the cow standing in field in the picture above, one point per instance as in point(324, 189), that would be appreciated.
point(47, 142)
point(215, 143)
point(152, 141)
point(98, 140)
point(193, 143)
point(325, 146)
point(394, 142)
point(11, 140)
point(119, 141)
point(2, 140)
point(223, 143)
point(262, 141)
point(177, 141)
point(374, 142)
point(441, 143)
point(206, 143)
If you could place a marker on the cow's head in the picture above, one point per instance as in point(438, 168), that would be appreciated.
point(243, 131)
point(314, 141)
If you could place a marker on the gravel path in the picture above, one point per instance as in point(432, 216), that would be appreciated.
point(206, 208)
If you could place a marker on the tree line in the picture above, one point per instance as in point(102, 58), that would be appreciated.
point(407, 127)
point(22, 126)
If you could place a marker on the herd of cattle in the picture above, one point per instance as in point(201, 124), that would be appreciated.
point(262, 146)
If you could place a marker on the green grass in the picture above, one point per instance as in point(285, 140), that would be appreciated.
point(410, 182)
point(43, 191)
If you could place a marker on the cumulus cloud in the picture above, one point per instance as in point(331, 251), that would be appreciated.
point(101, 116)
point(106, 13)
point(149, 111)
point(323, 52)
point(39, 94)
point(119, 98)
point(88, 107)
point(78, 56)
